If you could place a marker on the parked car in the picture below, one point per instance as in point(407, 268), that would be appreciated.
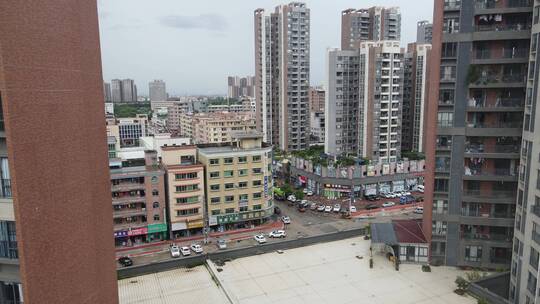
point(260, 238)
point(388, 204)
point(305, 191)
point(277, 234)
point(303, 202)
point(125, 261)
point(370, 197)
point(196, 248)
point(419, 210)
point(353, 209)
point(406, 193)
point(328, 208)
point(277, 210)
point(286, 219)
point(371, 207)
point(175, 251)
point(337, 207)
point(391, 195)
point(185, 251)
point(420, 188)
point(221, 244)
point(309, 193)
point(291, 198)
point(313, 206)
point(321, 208)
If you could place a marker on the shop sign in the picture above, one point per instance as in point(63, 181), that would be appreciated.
point(266, 187)
point(154, 228)
point(228, 218)
point(212, 220)
point(195, 224)
point(252, 215)
point(119, 234)
point(138, 231)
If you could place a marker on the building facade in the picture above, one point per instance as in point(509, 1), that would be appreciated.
point(107, 91)
point(282, 41)
point(317, 125)
point(215, 127)
point(316, 99)
point(238, 182)
point(364, 100)
point(475, 120)
point(424, 32)
point(157, 90)
point(128, 130)
point(129, 90)
point(415, 96)
point(371, 24)
point(138, 197)
point(54, 189)
point(185, 190)
point(240, 86)
point(116, 90)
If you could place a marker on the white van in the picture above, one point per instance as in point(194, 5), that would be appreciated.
point(419, 210)
point(420, 188)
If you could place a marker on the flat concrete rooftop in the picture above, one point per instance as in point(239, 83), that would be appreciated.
point(322, 273)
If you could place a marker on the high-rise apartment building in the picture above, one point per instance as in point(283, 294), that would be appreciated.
point(240, 86)
point(107, 91)
point(424, 32)
point(116, 90)
point(157, 90)
point(316, 99)
point(129, 90)
point(215, 127)
point(363, 101)
point(474, 127)
point(415, 96)
point(374, 23)
point(55, 218)
point(282, 75)
point(185, 189)
point(238, 181)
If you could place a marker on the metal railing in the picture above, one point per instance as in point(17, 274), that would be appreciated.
point(490, 194)
point(496, 124)
point(497, 103)
point(487, 236)
point(497, 148)
point(489, 4)
point(503, 27)
point(5, 188)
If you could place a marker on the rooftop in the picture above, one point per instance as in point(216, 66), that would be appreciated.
point(335, 272)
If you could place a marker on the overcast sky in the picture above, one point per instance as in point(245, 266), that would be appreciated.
point(195, 45)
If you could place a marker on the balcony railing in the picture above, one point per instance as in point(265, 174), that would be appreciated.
point(127, 186)
point(487, 236)
point(452, 5)
point(127, 212)
point(503, 27)
point(506, 54)
point(496, 124)
point(498, 148)
point(498, 103)
point(5, 188)
point(498, 78)
point(489, 4)
point(490, 194)
point(491, 214)
point(485, 171)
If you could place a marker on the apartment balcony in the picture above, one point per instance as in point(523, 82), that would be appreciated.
point(508, 55)
point(484, 7)
point(494, 237)
point(498, 105)
point(488, 195)
point(132, 225)
point(499, 80)
point(128, 199)
point(502, 31)
point(128, 187)
point(536, 237)
point(491, 174)
point(494, 128)
point(128, 212)
point(535, 209)
point(490, 218)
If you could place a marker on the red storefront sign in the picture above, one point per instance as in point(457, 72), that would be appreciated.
point(138, 231)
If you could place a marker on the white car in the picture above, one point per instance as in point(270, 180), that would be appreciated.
point(185, 251)
point(286, 219)
point(320, 208)
point(328, 208)
point(175, 251)
point(196, 248)
point(305, 191)
point(221, 244)
point(337, 207)
point(277, 234)
point(309, 193)
point(391, 195)
point(291, 198)
point(303, 202)
point(406, 193)
point(260, 238)
point(353, 209)
point(388, 204)
point(419, 210)
point(420, 188)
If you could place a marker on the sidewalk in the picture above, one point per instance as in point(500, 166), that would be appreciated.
point(163, 245)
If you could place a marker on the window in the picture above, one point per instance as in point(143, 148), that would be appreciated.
point(445, 119)
point(156, 217)
point(257, 195)
point(190, 175)
point(214, 161)
point(441, 185)
point(216, 212)
point(449, 49)
point(256, 170)
point(228, 173)
point(155, 205)
point(187, 212)
point(440, 206)
point(242, 172)
point(256, 158)
point(446, 97)
point(533, 258)
point(215, 200)
point(8, 240)
point(257, 207)
point(243, 197)
point(229, 198)
point(439, 228)
point(531, 283)
point(229, 186)
point(243, 208)
point(242, 184)
point(228, 161)
point(214, 187)
point(187, 188)
point(155, 192)
point(257, 183)
point(473, 253)
point(229, 210)
point(242, 160)
point(187, 200)
point(214, 174)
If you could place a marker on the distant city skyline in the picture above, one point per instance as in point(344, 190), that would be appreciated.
point(194, 46)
